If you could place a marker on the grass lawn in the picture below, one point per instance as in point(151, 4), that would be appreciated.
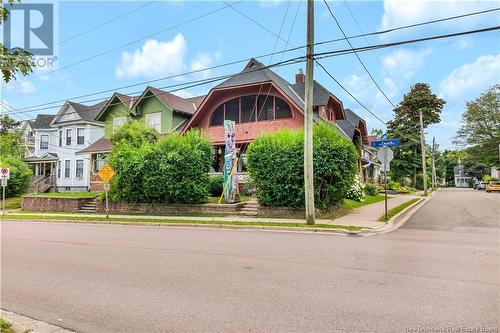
point(68, 194)
point(6, 327)
point(12, 203)
point(396, 210)
point(173, 221)
point(368, 200)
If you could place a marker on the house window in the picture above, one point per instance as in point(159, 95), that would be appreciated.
point(30, 134)
point(244, 109)
point(153, 120)
point(60, 138)
point(217, 116)
point(59, 169)
point(119, 121)
point(99, 160)
point(265, 108)
point(67, 168)
point(44, 141)
point(80, 136)
point(247, 109)
point(281, 109)
point(79, 168)
point(69, 134)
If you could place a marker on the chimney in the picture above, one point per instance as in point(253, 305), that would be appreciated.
point(300, 77)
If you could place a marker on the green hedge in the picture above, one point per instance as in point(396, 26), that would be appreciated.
point(172, 171)
point(20, 176)
point(216, 185)
point(276, 166)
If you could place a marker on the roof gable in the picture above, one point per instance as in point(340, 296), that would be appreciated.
point(170, 100)
point(115, 99)
point(42, 121)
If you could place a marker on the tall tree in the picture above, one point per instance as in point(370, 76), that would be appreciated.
point(16, 59)
point(406, 127)
point(480, 128)
point(8, 124)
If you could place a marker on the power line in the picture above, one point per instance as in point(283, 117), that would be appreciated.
point(105, 23)
point(325, 55)
point(357, 56)
point(130, 43)
point(367, 41)
point(264, 55)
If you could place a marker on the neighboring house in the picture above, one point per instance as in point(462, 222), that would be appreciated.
point(462, 179)
point(354, 127)
point(495, 173)
point(158, 109)
point(259, 101)
point(57, 139)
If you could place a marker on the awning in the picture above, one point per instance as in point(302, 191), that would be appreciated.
point(103, 145)
point(49, 157)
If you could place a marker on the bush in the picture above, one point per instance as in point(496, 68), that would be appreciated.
point(172, 171)
point(134, 133)
point(276, 166)
point(356, 191)
point(216, 185)
point(371, 189)
point(20, 176)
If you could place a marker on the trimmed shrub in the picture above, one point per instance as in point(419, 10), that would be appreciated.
point(134, 133)
point(20, 176)
point(172, 171)
point(371, 189)
point(276, 166)
point(216, 185)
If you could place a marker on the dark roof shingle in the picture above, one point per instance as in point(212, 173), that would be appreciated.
point(42, 121)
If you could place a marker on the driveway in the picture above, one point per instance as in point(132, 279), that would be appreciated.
point(101, 278)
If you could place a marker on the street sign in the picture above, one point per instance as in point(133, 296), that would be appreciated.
point(106, 187)
point(4, 173)
point(385, 156)
point(385, 143)
point(4, 182)
point(4, 185)
point(106, 173)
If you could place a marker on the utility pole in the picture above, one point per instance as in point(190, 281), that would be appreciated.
point(422, 145)
point(308, 118)
point(433, 162)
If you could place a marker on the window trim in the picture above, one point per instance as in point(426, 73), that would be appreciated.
point(78, 137)
point(60, 138)
point(256, 101)
point(159, 114)
point(69, 137)
point(67, 168)
point(42, 146)
point(76, 168)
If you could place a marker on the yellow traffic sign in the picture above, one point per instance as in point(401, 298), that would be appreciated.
point(106, 173)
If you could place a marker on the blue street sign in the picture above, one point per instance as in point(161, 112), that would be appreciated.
point(385, 143)
point(383, 136)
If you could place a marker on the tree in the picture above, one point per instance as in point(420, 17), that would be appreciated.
point(480, 128)
point(16, 59)
point(406, 127)
point(377, 131)
point(10, 137)
point(8, 124)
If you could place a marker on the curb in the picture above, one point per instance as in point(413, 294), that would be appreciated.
point(397, 220)
point(23, 323)
point(331, 231)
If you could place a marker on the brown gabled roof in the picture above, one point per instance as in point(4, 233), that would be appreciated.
point(42, 121)
point(175, 102)
point(103, 145)
point(126, 99)
point(196, 100)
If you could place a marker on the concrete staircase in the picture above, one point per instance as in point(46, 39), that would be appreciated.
point(250, 208)
point(88, 207)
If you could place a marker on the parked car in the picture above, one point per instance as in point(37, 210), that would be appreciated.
point(482, 186)
point(493, 186)
point(475, 184)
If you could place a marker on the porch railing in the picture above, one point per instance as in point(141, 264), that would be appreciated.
point(42, 183)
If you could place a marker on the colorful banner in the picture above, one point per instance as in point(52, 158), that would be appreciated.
point(229, 160)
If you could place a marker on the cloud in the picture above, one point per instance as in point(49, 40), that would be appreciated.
point(399, 12)
point(183, 93)
point(154, 59)
point(27, 87)
point(24, 87)
point(202, 61)
point(403, 63)
point(472, 78)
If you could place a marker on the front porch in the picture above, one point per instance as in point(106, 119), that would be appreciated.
point(44, 172)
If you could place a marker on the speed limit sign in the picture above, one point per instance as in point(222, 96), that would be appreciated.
point(4, 173)
point(106, 187)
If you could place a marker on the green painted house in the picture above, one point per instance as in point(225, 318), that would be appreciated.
point(158, 109)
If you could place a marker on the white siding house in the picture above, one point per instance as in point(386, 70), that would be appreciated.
point(57, 139)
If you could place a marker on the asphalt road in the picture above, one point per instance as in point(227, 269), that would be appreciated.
point(440, 270)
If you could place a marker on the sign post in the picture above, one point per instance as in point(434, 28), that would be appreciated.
point(106, 173)
point(4, 177)
point(385, 155)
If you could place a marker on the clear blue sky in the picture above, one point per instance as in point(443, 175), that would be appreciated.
point(457, 69)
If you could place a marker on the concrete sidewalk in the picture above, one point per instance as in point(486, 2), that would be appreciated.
point(369, 214)
point(365, 217)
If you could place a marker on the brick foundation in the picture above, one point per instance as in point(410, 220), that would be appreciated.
point(54, 204)
point(160, 209)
